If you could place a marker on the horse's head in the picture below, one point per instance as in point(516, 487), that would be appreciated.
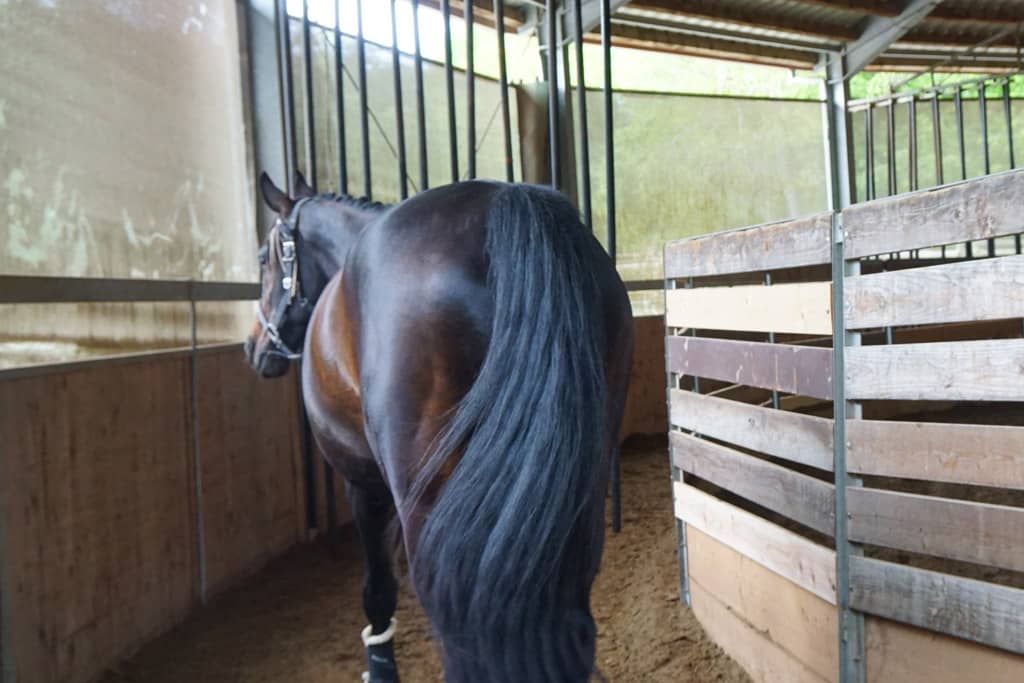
point(283, 311)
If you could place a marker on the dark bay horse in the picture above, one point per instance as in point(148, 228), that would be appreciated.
point(466, 355)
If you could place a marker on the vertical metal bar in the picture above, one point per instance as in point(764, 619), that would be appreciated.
point(287, 91)
point(396, 65)
point(1008, 114)
point(937, 138)
point(912, 137)
point(771, 340)
point(506, 118)
point(551, 26)
point(470, 94)
point(364, 109)
point(307, 96)
point(453, 140)
point(890, 140)
point(958, 104)
point(869, 165)
point(339, 80)
point(197, 459)
point(609, 138)
point(581, 106)
point(986, 157)
point(421, 114)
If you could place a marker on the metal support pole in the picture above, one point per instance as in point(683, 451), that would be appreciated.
point(1008, 114)
point(551, 73)
point(470, 94)
point(890, 141)
point(937, 138)
point(958, 104)
point(609, 138)
point(912, 138)
point(506, 118)
point(364, 109)
point(453, 139)
point(197, 458)
point(287, 91)
point(421, 115)
point(869, 155)
point(581, 106)
point(339, 79)
point(307, 96)
point(396, 65)
point(983, 112)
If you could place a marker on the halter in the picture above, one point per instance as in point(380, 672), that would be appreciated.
point(282, 238)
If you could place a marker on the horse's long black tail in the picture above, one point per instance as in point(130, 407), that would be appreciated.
point(506, 558)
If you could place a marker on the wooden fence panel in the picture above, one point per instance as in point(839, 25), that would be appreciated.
point(956, 529)
point(989, 370)
point(807, 564)
point(974, 610)
point(990, 289)
point(800, 438)
point(800, 242)
point(799, 308)
point(974, 210)
point(985, 455)
point(804, 370)
point(802, 498)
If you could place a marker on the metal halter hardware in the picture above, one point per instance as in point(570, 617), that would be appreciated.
point(282, 237)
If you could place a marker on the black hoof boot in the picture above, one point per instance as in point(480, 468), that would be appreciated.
point(380, 656)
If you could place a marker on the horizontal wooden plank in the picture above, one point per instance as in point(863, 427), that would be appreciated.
point(956, 529)
point(800, 438)
point(804, 370)
point(985, 455)
point(974, 610)
point(800, 242)
point(802, 498)
point(907, 654)
point(973, 210)
point(989, 370)
point(988, 289)
point(805, 563)
point(800, 308)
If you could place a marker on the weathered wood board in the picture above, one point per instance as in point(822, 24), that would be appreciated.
point(804, 370)
point(800, 438)
point(800, 308)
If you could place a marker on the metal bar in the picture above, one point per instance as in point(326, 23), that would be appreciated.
point(551, 26)
point(890, 141)
point(453, 139)
point(307, 96)
point(421, 115)
point(470, 93)
point(197, 460)
point(506, 120)
point(581, 106)
point(936, 89)
point(983, 111)
point(937, 139)
point(869, 165)
point(287, 91)
point(36, 289)
point(364, 109)
point(912, 138)
point(958, 104)
point(396, 64)
point(771, 340)
point(609, 141)
point(1008, 114)
point(339, 89)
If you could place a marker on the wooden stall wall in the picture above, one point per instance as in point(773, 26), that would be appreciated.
point(646, 409)
point(99, 508)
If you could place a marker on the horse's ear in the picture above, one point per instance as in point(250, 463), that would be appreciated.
point(276, 199)
point(302, 188)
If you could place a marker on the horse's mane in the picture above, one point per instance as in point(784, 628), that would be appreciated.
point(361, 203)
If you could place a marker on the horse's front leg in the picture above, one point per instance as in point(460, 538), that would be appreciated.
point(372, 509)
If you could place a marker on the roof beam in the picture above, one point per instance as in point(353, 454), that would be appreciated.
point(1003, 13)
point(590, 10)
point(758, 17)
point(885, 8)
point(881, 32)
point(966, 35)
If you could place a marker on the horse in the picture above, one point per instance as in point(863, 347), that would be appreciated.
point(465, 362)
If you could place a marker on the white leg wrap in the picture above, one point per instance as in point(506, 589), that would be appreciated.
point(381, 638)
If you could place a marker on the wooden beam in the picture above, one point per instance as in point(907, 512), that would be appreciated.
point(804, 370)
point(990, 370)
point(984, 455)
point(804, 439)
point(981, 533)
point(970, 291)
point(803, 499)
point(805, 563)
point(974, 610)
point(754, 15)
point(971, 210)
point(787, 244)
point(801, 308)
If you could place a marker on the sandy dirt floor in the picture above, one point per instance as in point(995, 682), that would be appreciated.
point(299, 619)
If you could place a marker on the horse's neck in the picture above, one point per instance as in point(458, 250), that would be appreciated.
point(330, 237)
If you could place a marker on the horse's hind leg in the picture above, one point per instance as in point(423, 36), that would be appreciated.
point(372, 509)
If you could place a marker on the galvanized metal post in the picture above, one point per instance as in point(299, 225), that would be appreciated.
point(912, 139)
point(396, 64)
point(609, 137)
point(1008, 114)
point(937, 137)
point(364, 109)
point(581, 106)
point(890, 141)
point(453, 138)
point(307, 96)
point(869, 154)
point(986, 157)
point(339, 91)
point(551, 74)
point(421, 115)
point(287, 90)
point(470, 93)
point(506, 119)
